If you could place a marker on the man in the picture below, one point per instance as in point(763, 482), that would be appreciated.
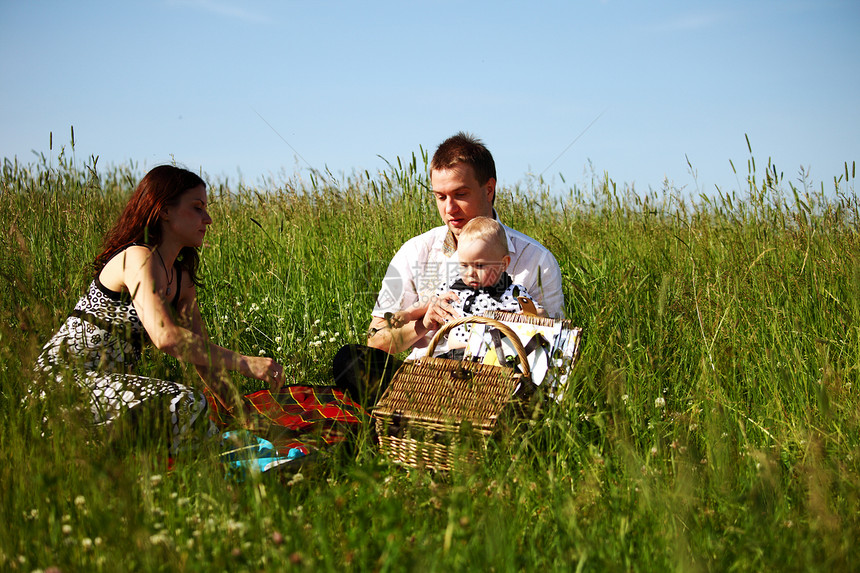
point(463, 181)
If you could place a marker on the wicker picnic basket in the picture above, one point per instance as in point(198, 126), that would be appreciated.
point(438, 412)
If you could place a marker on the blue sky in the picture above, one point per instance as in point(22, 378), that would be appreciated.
point(269, 88)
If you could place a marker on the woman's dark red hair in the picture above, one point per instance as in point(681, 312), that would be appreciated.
point(140, 222)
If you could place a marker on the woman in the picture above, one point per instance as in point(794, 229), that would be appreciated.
point(145, 287)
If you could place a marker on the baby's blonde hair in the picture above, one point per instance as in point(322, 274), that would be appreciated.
point(486, 229)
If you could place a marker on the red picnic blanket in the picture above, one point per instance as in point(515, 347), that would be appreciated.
point(304, 417)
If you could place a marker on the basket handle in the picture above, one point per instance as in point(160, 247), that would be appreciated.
point(505, 329)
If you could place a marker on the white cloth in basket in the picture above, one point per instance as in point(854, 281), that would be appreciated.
point(551, 347)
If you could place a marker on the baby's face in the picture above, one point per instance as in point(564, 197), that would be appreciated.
point(481, 263)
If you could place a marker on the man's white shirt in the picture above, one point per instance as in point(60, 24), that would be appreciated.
point(421, 266)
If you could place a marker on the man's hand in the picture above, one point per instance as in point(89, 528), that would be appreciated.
point(440, 311)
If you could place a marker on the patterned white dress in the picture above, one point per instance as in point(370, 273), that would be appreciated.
point(99, 346)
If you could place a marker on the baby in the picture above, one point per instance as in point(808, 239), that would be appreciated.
point(482, 252)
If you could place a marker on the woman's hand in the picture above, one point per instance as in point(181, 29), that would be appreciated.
point(265, 369)
point(440, 311)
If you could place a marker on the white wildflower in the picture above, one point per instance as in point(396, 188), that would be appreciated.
point(159, 539)
point(234, 526)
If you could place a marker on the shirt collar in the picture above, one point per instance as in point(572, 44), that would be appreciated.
point(449, 246)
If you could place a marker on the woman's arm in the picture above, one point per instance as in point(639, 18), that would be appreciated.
point(190, 344)
point(215, 378)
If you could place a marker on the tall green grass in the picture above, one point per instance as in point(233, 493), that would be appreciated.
point(712, 421)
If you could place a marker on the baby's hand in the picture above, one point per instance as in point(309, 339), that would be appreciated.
point(440, 310)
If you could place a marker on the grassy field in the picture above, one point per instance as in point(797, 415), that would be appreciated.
point(712, 423)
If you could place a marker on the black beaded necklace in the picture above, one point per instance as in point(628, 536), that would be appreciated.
point(169, 276)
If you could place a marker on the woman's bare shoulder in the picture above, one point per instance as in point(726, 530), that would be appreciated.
point(133, 254)
point(131, 259)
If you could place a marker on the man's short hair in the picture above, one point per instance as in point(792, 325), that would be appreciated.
point(485, 229)
point(465, 148)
